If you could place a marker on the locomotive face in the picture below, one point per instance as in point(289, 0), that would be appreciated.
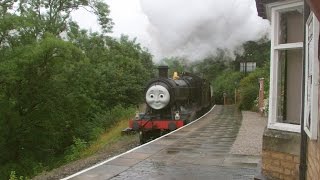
point(157, 97)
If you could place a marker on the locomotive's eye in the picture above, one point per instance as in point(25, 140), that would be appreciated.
point(151, 96)
point(161, 95)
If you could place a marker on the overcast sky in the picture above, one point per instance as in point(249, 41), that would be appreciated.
point(192, 29)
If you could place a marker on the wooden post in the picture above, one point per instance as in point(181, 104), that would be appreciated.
point(224, 98)
point(261, 95)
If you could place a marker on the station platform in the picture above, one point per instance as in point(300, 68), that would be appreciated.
point(216, 146)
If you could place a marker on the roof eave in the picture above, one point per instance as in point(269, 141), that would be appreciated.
point(261, 9)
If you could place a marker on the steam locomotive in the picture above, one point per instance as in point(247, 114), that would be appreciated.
point(171, 103)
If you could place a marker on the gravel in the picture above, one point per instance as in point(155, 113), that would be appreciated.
point(249, 139)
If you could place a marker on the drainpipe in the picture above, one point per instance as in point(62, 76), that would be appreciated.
point(303, 143)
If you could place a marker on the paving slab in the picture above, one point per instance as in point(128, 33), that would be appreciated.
point(200, 150)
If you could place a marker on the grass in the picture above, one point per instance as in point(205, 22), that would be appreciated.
point(109, 142)
point(106, 139)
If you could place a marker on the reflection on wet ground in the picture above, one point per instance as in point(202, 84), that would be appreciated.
point(198, 151)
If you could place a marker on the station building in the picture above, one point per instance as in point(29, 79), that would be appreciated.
point(291, 141)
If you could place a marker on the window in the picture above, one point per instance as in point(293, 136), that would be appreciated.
point(311, 77)
point(247, 66)
point(286, 72)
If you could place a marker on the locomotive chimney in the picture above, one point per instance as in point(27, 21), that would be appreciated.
point(163, 71)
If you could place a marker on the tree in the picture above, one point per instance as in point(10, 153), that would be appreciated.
point(212, 67)
point(132, 66)
point(31, 19)
point(253, 51)
point(43, 100)
point(54, 92)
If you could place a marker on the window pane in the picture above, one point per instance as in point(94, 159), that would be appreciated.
point(247, 66)
point(291, 26)
point(242, 66)
point(289, 86)
point(251, 66)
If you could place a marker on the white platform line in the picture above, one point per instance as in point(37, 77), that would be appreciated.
point(108, 160)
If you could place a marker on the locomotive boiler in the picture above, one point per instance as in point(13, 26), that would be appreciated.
point(171, 103)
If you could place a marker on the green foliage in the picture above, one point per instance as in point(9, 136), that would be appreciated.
point(73, 152)
point(57, 94)
point(249, 87)
point(258, 52)
point(51, 89)
point(13, 176)
point(212, 67)
point(248, 96)
point(223, 72)
point(227, 82)
point(122, 68)
point(31, 19)
point(42, 102)
point(108, 120)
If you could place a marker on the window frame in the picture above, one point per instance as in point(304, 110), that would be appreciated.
point(276, 9)
point(312, 130)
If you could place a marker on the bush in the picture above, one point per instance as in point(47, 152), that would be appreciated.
point(75, 150)
point(249, 87)
point(13, 176)
point(101, 124)
point(227, 82)
point(248, 96)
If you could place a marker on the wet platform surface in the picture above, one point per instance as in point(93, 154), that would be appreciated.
point(200, 150)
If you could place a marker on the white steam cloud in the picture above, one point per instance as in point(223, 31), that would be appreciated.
point(196, 29)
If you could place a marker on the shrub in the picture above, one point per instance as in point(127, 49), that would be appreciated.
point(13, 176)
point(248, 96)
point(227, 82)
point(249, 87)
point(102, 123)
point(74, 150)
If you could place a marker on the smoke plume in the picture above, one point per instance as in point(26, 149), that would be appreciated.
point(195, 29)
